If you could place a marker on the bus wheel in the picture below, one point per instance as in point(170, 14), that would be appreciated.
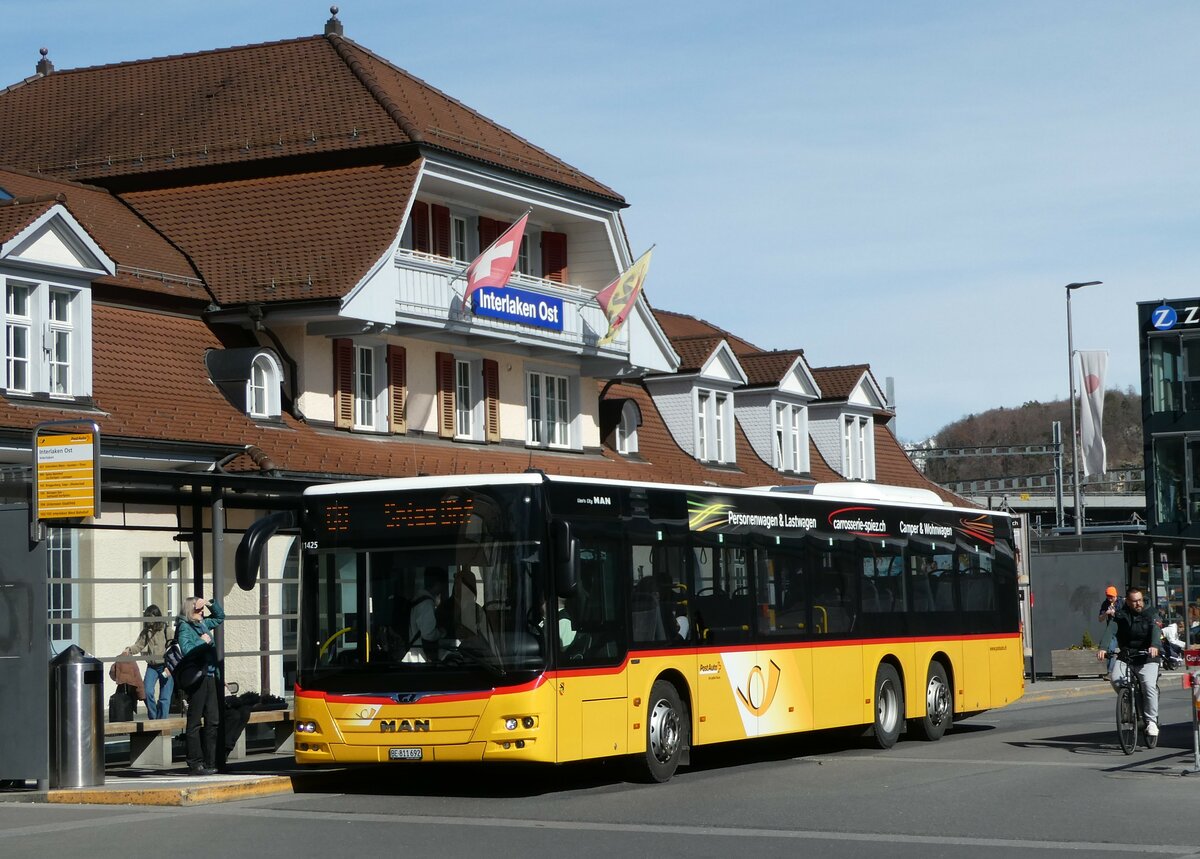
point(939, 709)
point(666, 734)
point(889, 706)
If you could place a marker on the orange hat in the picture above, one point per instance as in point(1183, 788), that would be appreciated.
point(1111, 591)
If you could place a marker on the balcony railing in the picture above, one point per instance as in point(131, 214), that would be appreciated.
point(428, 299)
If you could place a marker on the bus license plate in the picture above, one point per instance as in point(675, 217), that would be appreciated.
point(404, 754)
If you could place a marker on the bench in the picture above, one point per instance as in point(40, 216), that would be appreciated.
point(150, 739)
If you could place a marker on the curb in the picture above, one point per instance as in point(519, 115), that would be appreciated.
point(227, 791)
point(1070, 692)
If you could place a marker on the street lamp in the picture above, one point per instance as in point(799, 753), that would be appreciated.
point(1074, 428)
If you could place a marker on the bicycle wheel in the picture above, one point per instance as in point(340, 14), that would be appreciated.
point(1127, 720)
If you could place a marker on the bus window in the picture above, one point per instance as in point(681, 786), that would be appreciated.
point(784, 595)
point(883, 582)
point(596, 610)
point(835, 588)
point(660, 608)
point(976, 583)
point(724, 592)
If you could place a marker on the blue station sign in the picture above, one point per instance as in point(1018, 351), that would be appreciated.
point(519, 305)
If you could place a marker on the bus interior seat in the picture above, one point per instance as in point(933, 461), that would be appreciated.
point(647, 618)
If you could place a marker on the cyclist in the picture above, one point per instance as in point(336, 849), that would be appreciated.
point(1136, 630)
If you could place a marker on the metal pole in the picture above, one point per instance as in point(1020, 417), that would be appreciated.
point(1056, 438)
point(1074, 428)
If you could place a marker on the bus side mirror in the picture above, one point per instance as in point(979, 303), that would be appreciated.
point(248, 559)
point(566, 558)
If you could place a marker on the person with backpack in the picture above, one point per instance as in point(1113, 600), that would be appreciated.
point(197, 676)
point(152, 643)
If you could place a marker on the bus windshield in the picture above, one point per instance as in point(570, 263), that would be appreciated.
point(423, 586)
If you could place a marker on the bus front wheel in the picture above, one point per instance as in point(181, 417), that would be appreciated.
point(889, 706)
point(666, 735)
point(939, 708)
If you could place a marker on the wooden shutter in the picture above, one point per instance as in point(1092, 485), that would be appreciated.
point(445, 393)
point(343, 383)
point(441, 230)
point(420, 227)
point(397, 363)
point(489, 231)
point(491, 393)
point(554, 256)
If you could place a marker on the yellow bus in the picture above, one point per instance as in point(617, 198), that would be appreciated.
point(528, 617)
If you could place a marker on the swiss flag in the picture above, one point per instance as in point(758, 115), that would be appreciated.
point(495, 265)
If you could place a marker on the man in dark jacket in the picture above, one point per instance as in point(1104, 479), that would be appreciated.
point(1137, 630)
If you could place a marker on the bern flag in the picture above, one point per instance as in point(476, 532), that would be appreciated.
point(617, 299)
point(1092, 366)
point(495, 265)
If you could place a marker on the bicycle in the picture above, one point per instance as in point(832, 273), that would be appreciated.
point(1130, 716)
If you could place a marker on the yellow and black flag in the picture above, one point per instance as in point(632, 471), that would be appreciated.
point(617, 299)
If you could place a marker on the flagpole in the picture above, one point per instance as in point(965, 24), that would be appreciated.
point(459, 276)
point(1074, 426)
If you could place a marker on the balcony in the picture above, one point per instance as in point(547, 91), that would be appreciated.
point(427, 300)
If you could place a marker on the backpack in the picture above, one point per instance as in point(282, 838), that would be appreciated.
point(187, 671)
point(172, 656)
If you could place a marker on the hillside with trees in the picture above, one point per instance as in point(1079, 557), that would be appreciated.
point(1031, 424)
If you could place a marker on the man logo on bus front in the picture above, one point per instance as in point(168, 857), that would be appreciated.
point(758, 695)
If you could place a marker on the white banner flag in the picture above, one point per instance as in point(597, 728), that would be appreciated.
point(1092, 366)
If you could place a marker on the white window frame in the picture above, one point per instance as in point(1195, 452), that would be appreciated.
point(790, 425)
point(799, 439)
point(465, 395)
point(366, 387)
point(62, 597)
point(263, 386)
point(626, 434)
point(858, 447)
point(714, 426)
point(459, 243)
point(53, 353)
point(549, 409)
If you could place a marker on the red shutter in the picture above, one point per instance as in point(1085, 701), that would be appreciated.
point(489, 231)
point(397, 362)
point(554, 256)
point(420, 227)
point(445, 393)
point(441, 230)
point(343, 383)
point(491, 392)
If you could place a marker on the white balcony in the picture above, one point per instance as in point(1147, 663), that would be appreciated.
point(428, 300)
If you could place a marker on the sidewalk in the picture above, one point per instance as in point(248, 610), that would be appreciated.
point(266, 774)
point(1049, 689)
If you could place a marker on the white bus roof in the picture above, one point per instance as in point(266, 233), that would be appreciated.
point(849, 491)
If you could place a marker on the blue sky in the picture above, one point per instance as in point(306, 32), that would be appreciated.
point(906, 184)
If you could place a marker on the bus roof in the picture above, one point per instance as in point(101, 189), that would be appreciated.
point(849, 491)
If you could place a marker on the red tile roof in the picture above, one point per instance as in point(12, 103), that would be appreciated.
point(679, 325)
point(304, 236)
point(768, 368)
point(694, 351)
point(894, 468)
point(146, 260)
point(301, 97)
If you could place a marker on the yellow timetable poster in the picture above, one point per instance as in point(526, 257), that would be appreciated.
point(66, 476)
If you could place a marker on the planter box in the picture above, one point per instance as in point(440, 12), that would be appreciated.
point(1076, 663)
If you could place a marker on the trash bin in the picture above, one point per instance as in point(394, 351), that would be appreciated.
point(76, 719)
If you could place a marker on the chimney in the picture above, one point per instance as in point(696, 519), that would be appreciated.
point(44, 66)
point(333, 27)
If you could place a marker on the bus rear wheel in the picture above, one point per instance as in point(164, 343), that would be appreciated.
point(666, 735)
point(889, 706)
point(939, 709)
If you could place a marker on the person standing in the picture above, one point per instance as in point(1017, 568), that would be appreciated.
point(1109, 607)
point(197, 675)
point(152, 643)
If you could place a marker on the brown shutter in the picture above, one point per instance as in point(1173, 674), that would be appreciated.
point(420, 227)
point(397, 362)
point(343, 383)
point(554, 256)
point(491, 392)
point(441, 230)
point(489, 231)
point(445, 393)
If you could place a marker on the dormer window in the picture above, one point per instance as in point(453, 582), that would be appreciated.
point(714, 427)
point(44, 327)
point(858, 448)
point(263, 386)
point(791, 437)
point(626, 440)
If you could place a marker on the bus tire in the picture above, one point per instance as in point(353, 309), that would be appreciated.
point(939, 705)
point(889, 706)
point(666, 735)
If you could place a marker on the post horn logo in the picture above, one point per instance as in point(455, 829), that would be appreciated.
point(759, 693)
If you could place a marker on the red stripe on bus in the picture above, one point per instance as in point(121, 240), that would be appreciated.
point(441, 698)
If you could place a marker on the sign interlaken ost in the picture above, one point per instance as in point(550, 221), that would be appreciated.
point(66, 479)
point(519, 305)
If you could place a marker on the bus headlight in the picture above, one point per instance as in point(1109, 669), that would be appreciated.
point(510, 723)
point(306, 727)
point(527, 722)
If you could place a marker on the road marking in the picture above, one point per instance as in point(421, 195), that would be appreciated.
point(64, 825)
point(1177, 850)
point(883, 759)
